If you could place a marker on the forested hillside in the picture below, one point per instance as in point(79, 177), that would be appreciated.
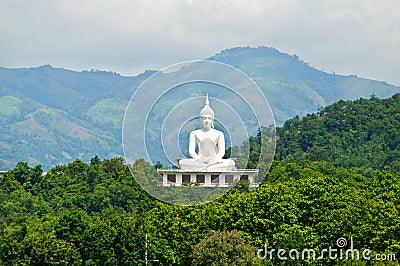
point(52, 115)
point(319, 189)
point(362, 133)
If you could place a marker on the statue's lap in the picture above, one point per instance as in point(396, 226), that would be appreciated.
point(192, 164)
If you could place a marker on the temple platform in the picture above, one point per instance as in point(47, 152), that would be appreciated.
point(208, 178)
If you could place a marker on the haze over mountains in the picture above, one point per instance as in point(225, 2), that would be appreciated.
point(52, 116)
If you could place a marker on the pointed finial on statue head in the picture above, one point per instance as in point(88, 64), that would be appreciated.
point(207, 111)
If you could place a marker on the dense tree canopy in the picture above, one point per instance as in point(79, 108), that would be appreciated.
point(361, 133)
point(320, 188)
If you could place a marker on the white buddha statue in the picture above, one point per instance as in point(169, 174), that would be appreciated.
point(211, 146)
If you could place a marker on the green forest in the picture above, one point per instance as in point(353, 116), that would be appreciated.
point(335, 175)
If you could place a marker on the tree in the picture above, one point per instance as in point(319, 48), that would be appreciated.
point(224, 248)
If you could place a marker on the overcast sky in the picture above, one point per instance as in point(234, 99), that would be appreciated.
point(130, 36)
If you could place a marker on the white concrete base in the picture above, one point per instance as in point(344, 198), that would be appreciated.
point(215, 178)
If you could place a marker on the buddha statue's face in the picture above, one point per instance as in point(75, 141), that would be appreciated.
point(207, 121)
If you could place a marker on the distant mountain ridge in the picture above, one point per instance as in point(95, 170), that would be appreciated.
point(51, 115)
point(293, 87)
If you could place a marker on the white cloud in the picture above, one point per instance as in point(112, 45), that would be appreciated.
point(128, 36)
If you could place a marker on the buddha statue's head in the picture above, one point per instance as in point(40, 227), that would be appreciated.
point(207, 115)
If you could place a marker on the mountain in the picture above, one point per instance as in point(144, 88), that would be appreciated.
point(51, 116)
point(293, 87)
